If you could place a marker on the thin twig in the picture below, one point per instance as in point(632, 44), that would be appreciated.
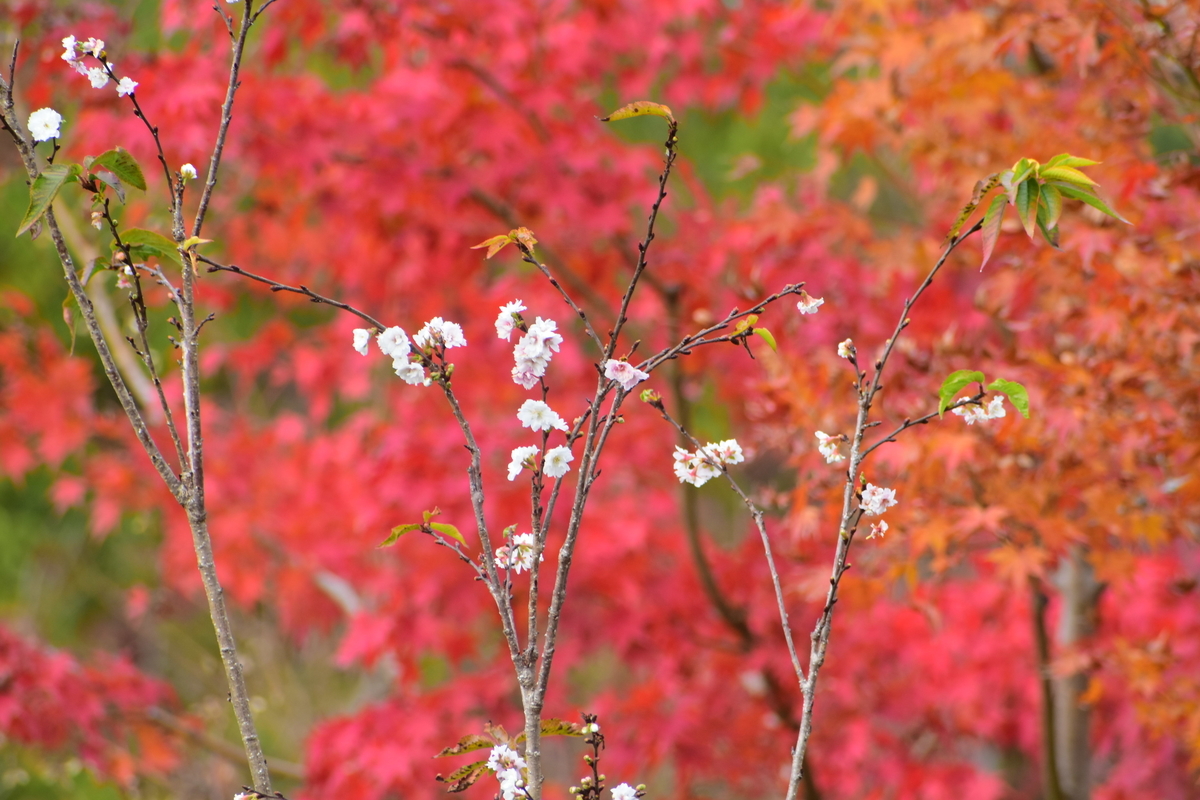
point(276, 286)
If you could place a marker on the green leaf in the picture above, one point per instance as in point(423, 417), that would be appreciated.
point(766, 337)
point(399, 531)
point(447, 530)
point(1027, 205)
point(1052, 202)
point(1015, 393)
point(145, 244)
point(461, 779)
point(1023, 170)
point(638, 109)
point(955, 382)
point(1067, 174)
point(1068, 160)
point(43, 191)
point(112, 180)
point(991, 226)
point(558, 727)
point(1049, 232)
point(472, 741)
point(123, 165)
point(1087, 196)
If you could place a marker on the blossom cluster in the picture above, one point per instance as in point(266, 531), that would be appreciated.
point(700, 467)
point(974, 413)
point(394, 342)
point(74, 53)
point(557, 463)
point(828, 445)
point(517, 555)
point(509, 768)
point(876, 500)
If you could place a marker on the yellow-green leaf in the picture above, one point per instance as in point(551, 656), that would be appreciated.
point(448, 530)
point(1068, 174)
point(955, 382)
point(766, 337)
point(399, 531)
point(1015, 392)
point(192, 241)
point(1068, 160)
point(982, 187)
point(638, 109)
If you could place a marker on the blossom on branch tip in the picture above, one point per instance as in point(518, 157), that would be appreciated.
point(362, 336)
point(533, 352)
point(393, 342)
point(807, 304)
point(439, 331)
point(502, 756)
point(702, 466)
point(520, 455)
point(973, 413)
point(412, 374)
point(726, 452)
point(876, 500)
point(188, 172)
point(45, 123)
point(828, 445)
point(98, 77)
point(878, 529)
point(93, 46)
point(624, 792)
point(536, 415)
point(624, 373)
point(846, 349)
point(558, 461)
point(125, 86)
point(505, 321)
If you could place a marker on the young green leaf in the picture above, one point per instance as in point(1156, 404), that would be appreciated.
point(1067, 174)
point(638, 109)
point(109, 179)
point(1052, 202)
point(145, 244)
point(399, 531)
point(991, 226)
point(1023, 170)
point(1015, 392)
point(43, 191)
point(1086, 195)
point(447, 530)
point(1068, 160)
point(955, 382)
point(193, 241)
point(1028, 195)
point(123, 165)
point(1049, 233)
point(766, 337)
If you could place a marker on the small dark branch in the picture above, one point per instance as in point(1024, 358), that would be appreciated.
point(258, 13)
point(214, 164)
point(176, 212)
point(220, 747)
point(528, 256)
point(698, 339)
point(505, 213)
point(912, 423)
point(276, 286)
point(510, 99)
point(757, 515)
point(1051, 786)
point(672, 145)
point(12, 72)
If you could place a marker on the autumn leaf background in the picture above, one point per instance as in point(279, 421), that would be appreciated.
point(373, 145)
